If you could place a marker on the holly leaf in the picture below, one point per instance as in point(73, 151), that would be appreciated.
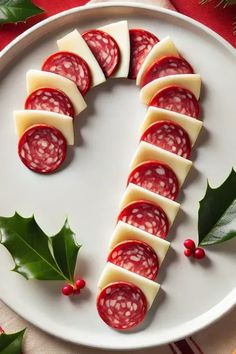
point(11, 343)
point(36, 255)
point(217, 213)
point(12, 11)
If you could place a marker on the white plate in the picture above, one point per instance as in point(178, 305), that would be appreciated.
point(88, 190)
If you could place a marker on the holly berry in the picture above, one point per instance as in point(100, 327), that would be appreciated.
point(80, 283)
point(189, 244)
point(67, 290)
point(76, 291)
point(188, 252)
point(199, 253)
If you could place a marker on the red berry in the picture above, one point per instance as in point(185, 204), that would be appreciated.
point(189, 244)
point(188, 252)
point(76, 291)
point(67, 290)
point(80, 283)
point(199, 253)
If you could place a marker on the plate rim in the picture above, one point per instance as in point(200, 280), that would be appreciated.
point(229, 301)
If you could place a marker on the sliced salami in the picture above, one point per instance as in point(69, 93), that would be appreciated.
point(42, 148)
point(50, 99)
point(122, 305)
point(156, 177)
point(135, 256)
point(168, 136)
point(146, 216)
point(177, 99)
point(71, 66)
point(165, 66)
point(141, 42)
point(104, 48)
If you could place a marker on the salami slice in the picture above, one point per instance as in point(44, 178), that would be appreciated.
point(141, 42)
point(156, 177)
point(135, 256)
point(71, 66)
point(122, 305)
point(168, 136)
point(177, 99)
point(50, 99)
point(146, 216)
point(42, 148)
point(104, 48)
point(165, 66)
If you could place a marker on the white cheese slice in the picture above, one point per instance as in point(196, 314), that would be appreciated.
point(134, 192)
point(191, 125)
point(192, 82)
point(36, 79)
point(113, 273)
point(124, 232)
point(161, 49)
point(178, 164)
point(74, 42)
point(120, 32)
point(26, 118)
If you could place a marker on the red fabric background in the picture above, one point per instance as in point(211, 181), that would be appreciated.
point(216, 18)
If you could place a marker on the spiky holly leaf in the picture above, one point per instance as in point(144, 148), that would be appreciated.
point(11, 343)
point(36, 255)
point(217, 213)
point(12, 11)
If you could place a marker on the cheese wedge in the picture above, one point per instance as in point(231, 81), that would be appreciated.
point(36, 79)
point(74, 42)
point(120, 32)
point(191, 125)
point(113, 273)
point(147, 152)
point(191, 82)
point(124, 232)
point(134, 193)
point(26, 118)
point(163, 48)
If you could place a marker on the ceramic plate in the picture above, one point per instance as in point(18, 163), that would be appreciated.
point(88, 189)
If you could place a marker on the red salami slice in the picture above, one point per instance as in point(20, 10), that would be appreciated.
point(135, 256)
point(50, 99)
point(122, 305)
point(177, 99)
point(42, 148)
point(141, 42)
point(156, 177)
point(166, 66)
point(168, 136)
point(146, 216)
point(71, 66)
point(105, 50)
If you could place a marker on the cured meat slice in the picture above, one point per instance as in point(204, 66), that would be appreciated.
point(168, 136)
point(104, 48)
point(146, 216)
point(71, 66)
point(177, 99)
point(135, 256)
point(169, 65)
point(141, 42)
point(156, 177)
point(50, 99)
point(42, 148)
point(122, 305)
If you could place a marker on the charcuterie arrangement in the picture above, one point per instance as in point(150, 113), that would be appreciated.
point(171, 90)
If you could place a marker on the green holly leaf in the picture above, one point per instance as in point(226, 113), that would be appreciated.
point(36, 255)
point(217, 213)
point(11, 343)
point(12, 11)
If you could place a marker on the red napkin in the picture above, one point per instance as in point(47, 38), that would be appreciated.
point(220, 20)
point(217, 18)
